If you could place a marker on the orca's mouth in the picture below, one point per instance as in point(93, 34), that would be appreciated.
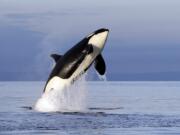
point(101, 30)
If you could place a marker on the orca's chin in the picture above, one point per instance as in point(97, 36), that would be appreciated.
point(98, 40)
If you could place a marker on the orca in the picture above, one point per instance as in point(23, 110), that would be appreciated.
point(76, 61)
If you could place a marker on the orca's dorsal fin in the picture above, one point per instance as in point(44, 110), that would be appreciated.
point(56, 57)
point(100, 65)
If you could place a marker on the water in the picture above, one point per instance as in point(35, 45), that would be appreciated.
point(114, 108)
point(69, 98)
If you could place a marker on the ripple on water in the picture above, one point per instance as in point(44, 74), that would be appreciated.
point(82, 120)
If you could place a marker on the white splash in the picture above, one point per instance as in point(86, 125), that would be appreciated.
point(68, 99)
point(102, 77)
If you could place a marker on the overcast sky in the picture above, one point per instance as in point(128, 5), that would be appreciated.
point(144, 40)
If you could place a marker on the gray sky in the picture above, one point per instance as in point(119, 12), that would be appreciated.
point(144, 40)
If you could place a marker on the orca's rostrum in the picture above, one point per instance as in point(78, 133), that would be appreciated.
point(76, 61)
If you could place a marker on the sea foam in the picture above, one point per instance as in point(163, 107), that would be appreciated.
point(67, 99)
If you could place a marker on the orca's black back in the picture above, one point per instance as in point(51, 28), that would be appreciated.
point(70, 61)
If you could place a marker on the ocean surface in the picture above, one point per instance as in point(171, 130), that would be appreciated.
point(113, 108)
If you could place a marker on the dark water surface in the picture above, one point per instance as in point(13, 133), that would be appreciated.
point(115, 108)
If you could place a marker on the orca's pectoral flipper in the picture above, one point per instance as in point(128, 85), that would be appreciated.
point(100, 65)
point(56, 57)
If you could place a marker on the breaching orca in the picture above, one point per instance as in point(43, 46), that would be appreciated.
point(70, 66)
